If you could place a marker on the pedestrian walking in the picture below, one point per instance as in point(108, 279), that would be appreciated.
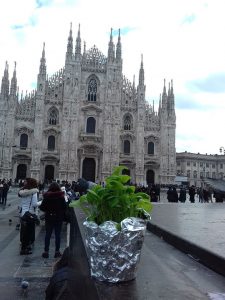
point(28, 195)
point(200, 195)
point(182, 196)
point(205, 195)
point(5, 190)
point(192, 194)
point(1, 190)
point(54, 207)
point(172, 194)
point(153, 194)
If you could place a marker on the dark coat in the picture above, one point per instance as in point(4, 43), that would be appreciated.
point(182, 197)
point(172, 195)
point(54, 206)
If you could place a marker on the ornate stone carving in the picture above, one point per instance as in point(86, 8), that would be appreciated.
point(26, 130)
point(94, 60)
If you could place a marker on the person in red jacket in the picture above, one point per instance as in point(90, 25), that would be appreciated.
point(54, 206)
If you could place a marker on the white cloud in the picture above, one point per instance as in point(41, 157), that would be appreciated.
point(180, 40)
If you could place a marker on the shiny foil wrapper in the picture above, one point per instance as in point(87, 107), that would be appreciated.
point(114, 255)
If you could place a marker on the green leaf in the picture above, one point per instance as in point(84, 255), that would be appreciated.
point(116, 201)
point(92, 197)
point(118, 170)
point(146, 205)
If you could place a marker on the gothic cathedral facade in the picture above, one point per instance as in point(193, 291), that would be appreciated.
point(86, 119)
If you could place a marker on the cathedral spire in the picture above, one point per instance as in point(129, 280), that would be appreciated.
point(164, 87)
point(118, 48)
point(13, 86)
point(5, 82)
point(160, 105)
point(42, 69)
point(134, 82)
point(171, 91)
point(78, 45)
point(84, 56)
point(164, 96)
point(141, 73)
point(84, 53)
point(111, 51)
point(69, 52)
point(171, 98)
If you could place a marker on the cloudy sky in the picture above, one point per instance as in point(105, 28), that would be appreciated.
point(183, 40)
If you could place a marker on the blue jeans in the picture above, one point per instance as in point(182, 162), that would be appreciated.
point(49, 226)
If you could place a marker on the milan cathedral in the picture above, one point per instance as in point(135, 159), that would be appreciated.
point(86, 119)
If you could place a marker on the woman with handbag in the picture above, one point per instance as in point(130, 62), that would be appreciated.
point(54, 206)
point(28, 216)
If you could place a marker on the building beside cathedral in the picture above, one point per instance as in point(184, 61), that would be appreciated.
point(200, 167)
point(86, 119)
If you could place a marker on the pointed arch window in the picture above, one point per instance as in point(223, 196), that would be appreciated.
point(127, 125)
point(92, 90)
point(91, 123)
point(126, 147)
point(51, 143)
point(151, 148)
point(53, 116)
point(23, 141)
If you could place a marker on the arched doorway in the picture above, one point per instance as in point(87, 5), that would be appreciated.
point(49, 172)
point(21, 171)
point(88, 171)
point(150, 177)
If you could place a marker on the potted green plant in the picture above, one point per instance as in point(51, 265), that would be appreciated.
point(115, 227)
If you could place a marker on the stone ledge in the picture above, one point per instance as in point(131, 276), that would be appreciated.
point(204, 256)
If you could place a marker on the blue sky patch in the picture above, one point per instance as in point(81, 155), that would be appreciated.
point(123, 31)
point(183, 103)
point(189, 19)
point(18, 26)
point(126, 30)
point(214, 83)
point(34, 85)
point(33, 21)
point(41, 3)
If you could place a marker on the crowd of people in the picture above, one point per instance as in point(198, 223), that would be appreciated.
point(53, 203)
point(54, 200)
point(202, 195)
point(57, 195)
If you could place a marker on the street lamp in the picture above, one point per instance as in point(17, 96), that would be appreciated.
point(222, 150)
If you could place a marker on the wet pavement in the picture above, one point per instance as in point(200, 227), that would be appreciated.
point(164, 272)
point(202, 224)
point(14, 267)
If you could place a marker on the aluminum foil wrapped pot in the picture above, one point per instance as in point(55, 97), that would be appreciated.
point(114, 255)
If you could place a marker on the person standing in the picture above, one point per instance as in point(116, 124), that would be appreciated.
point(192, 194)
point(54, 207)
point(5, 190)
point(153, 194)
point(1, 191)
point(28, 194)
point(182, 196)
point(172, 195)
